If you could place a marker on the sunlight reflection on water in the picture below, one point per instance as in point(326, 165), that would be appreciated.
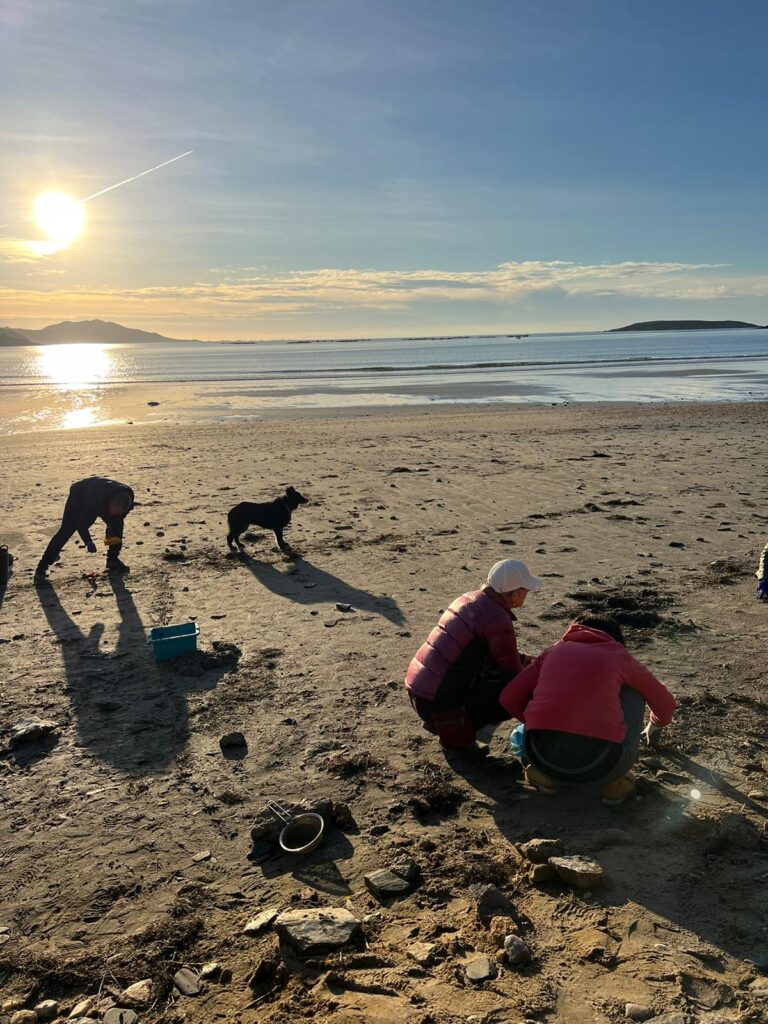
point(73, 366)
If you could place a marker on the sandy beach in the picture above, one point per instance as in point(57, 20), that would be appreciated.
point(127, 830)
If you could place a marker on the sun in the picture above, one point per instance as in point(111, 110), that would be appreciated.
point(60, 217)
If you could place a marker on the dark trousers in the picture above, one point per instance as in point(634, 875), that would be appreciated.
point(568, 757)
point(70, 524)
point(456, 713)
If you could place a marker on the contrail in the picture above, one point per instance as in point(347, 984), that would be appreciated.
point(135, 176)
point(125, 181)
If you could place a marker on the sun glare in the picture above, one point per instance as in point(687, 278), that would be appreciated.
point(74, 366)
point(60, 217)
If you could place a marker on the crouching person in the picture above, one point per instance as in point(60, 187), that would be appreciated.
point(456, 676)
point(583, 703)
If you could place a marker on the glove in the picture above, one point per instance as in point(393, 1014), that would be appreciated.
point(91, 547)
point(762, 590)
point(651, 734)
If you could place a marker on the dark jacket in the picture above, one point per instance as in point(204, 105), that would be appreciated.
point(89, 500)
point(480, 614)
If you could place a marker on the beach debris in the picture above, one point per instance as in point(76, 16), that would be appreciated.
point(232, 739)
point(30, 731)
point(540, 850)
point(479, 970)
point(139, 994)
point(516, 950)
point(261, 922)
point(386, 885)
point(187, 981)
point(578, 872)
point(490, 902)
point(317, 931)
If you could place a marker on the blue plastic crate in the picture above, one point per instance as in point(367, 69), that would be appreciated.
point(171, 641)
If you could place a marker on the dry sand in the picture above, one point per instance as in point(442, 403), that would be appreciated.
point(102, 824)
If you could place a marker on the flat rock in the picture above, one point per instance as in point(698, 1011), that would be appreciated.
point(675, 1017)
point(578, 872)
point(479, 970)
point(201, 856)
point(516, 950)
point(490, 902)
point(139, 994)
point(316, 931)
point(261, 922)
point(540, 850)
point(117, 1015)
point(422, 953)
point(31, 731)
point(386, 885)
point(47, 1009)
point(542, 873)
point(187, 982)
point(634, 1011)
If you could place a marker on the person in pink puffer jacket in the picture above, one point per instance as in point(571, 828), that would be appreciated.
point(455, 678)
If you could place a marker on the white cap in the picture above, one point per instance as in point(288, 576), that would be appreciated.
point(512, 575)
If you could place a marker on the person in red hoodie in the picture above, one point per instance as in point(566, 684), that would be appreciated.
point(582, 702)
point(455, 677)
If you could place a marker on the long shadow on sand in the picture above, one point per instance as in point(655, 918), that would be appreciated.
point(669, 860)
point(306, 584)
point(129, 713)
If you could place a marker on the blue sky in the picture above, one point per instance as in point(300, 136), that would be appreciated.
point(389, 167)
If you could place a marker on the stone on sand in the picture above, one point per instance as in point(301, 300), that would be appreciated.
point(386, 885)
point(139, 993)
point(540, 850)
point(490, 902)
point(47, 1009)
point(634, 1011)
point(479, 970)
point(30, 731)
point(261, 922)
point(516, 950)
point(578, 872)
point(316, 931)
point(422, 953)
point(187, 982)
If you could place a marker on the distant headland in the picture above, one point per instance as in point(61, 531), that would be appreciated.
point(687, 325)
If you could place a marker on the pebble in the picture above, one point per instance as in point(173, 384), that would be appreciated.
point(491, 902)
point(24, 1017)
point(138, 994)
point(479, 970)
point(406, 868)
point(232, 739)
point(210, 970)
point(386, 885)
point(542, 873)
point(540, 850)
point(187, 982)
point(634, 1011)
point(261, 922)
point(30, 731)
point(117, 1015)
point(313, 931)
point(47, 1010)
point(198, 858)
point(670, 1018)
point(516, 950)
point(83, 1008)
point(578, 872)
point(757, 794)
point(422, 953)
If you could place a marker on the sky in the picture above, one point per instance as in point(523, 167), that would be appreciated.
point(369, 168)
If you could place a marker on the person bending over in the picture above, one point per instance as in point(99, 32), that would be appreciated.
point(762, 576)
point(89, 500)
point(455, 678)
point(583, 702)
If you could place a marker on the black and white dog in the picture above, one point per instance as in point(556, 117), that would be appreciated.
point(269, 515)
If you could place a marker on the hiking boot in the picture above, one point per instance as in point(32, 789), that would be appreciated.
point(115, 565)
point(541, 781)
point(616, 792)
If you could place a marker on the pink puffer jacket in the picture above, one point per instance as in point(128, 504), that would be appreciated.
point(480, 613)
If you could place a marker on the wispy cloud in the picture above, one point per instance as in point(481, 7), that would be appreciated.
point(253, 295)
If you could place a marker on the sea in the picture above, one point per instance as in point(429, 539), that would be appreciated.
point(251, 378)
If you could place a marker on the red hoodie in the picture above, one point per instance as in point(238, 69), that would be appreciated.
point(575, 685)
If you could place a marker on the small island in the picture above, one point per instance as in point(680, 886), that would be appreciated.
point(687, 325)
